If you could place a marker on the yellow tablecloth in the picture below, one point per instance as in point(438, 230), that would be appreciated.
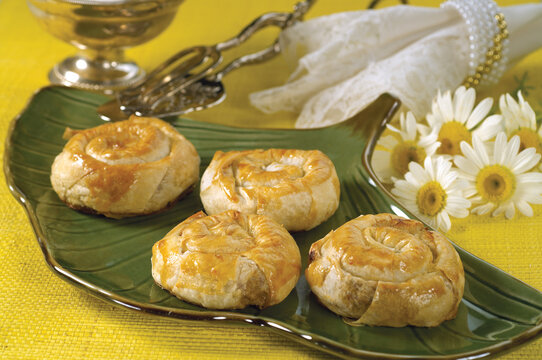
point(43, 317)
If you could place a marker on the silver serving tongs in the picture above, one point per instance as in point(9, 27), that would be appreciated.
point(190, 80)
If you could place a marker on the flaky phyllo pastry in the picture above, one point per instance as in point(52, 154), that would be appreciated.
point(227, 261)
point(299, 189)
point(133, 167)
point(386, 270)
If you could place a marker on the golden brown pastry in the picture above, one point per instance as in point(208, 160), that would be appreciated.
point(299, 189)
point(133, 167)
point(388, 271)
point(227, 261)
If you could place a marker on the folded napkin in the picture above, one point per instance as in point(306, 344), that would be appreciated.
point(346, 60)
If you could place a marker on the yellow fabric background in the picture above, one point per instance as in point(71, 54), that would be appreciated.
point(42, 317)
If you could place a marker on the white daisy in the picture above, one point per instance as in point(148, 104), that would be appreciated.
point(396, 151)
point(455, 120)
point(433, 192)
point(520, 120)
point(500, 182)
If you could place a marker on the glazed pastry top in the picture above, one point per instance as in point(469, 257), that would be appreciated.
point(124, 168)
point(402, 272)
point(300, 189)
point(208, 255)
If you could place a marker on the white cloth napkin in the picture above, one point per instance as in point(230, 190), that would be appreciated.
point(346, 60)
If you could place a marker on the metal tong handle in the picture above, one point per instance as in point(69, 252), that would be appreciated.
point(162, 84)
point(282, 20)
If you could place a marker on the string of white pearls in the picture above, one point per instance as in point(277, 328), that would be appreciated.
point(488, 40)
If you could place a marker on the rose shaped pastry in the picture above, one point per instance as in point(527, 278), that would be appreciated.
point(227, 261)
point(299, 189)
point(386, 270)
point(133, 167)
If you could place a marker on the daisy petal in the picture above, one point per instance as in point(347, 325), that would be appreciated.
point(458, 208)
point(510, 110)
point(489, 127)
point(476, 199)
point(512, 149)
point(402, 193)
point(526, 116)
point(535, 199)
point(500, 148)
point(530, 178)
point(415, 180)
point(499, 210)
point(478, 154)
point(409, 127)
point(479, 113)
point(428, 165)
point(510, 210)
point(526, 160)
point(426, 130)
point(449, 181)
point(463, 103)
point(508, 115)
point(470, 192)
point(524, 208)
point(443, 221)
point(428, 140)
point(445, 105)
point(483, 209)
point(466, 165)
point(405, 186)
point(388, 141)
point(442, 169)
point(381, 165)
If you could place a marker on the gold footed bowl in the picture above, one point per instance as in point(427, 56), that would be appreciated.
point(101, 30)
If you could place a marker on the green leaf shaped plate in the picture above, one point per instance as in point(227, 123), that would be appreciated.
point(111, 258)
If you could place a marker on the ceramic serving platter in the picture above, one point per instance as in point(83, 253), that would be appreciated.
point(111, 258)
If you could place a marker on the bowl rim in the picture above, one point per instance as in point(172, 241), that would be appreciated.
point(103, 2)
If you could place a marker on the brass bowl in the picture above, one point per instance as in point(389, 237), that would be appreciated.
point(101, 30)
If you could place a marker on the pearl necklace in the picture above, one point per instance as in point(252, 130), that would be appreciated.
point(488, 40)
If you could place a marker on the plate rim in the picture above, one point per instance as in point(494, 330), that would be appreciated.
point(312, 340)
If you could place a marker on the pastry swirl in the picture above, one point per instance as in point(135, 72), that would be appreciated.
point(227, 261)
point(299, 189)
point(133, 167)
point(388, 271)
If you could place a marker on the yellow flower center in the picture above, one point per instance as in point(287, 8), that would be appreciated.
point(431, 198)
point(528, 138)
point(495, 183)
point(450, 136)
point(404, 153)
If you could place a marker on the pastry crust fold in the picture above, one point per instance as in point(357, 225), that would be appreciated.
point(227, 261)
point(127, 168)
point(385, 270)
point(299, 189)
